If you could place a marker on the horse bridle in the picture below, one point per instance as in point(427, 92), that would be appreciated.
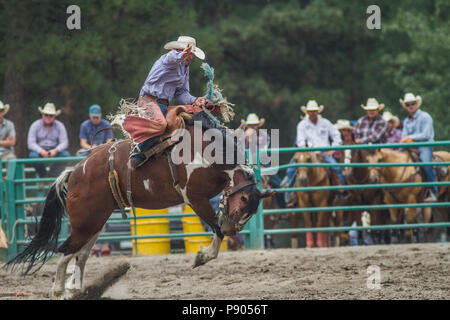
point(223, 204)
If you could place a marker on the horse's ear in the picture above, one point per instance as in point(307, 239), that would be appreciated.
point(268, 193)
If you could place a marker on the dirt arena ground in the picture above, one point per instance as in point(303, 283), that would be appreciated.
point(413, 271)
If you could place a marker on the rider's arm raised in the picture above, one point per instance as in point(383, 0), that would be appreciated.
point(173, 58)
point(182, 95)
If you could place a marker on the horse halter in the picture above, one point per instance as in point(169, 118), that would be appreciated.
point(223, 204)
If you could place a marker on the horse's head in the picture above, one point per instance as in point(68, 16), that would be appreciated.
point(304, 172)
point(374, 156)
point(359, 174)
point(240, 200)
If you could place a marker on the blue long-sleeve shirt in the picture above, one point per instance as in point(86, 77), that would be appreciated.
point(419, 127)
point(169, 78)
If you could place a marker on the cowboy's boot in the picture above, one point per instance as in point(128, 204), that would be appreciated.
point(309, 240)
point(138, 157)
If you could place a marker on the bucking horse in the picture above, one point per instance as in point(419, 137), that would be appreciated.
point(96, 186)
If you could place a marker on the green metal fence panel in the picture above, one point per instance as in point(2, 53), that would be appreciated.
point(261, 211)
point(16, 184)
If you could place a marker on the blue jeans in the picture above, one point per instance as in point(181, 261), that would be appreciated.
point(331, 159)
point(290, 172)
point(55, 168)
point(426, 155)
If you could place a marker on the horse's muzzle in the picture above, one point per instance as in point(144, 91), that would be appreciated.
point(374, 179)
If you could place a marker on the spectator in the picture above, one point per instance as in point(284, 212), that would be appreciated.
point(418, 127)
point(372, 127)
point(316, 131)
point(90, 127)
point(7, 135)
point(393, 135)
point(346, 130)
point(47, 138)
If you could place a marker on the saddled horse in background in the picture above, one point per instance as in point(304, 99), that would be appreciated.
point(407, 174)
point(86, 193)
point(308, 177)
point(443, 175)
point(360, 176)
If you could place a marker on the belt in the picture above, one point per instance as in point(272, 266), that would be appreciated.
point(162, 101)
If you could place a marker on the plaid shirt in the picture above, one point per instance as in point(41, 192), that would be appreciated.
point(374, 132)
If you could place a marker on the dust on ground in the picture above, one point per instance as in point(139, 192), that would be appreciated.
point(411, 271)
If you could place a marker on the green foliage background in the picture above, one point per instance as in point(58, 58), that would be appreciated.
point(270, 57)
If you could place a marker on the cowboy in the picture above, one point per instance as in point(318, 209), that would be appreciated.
point(89, 138)
point(393, 134)
point(259, 138)
point(7, 135)
point(346, 131)
point(168, 79)
point(418, 126)
point(316, 131)
point(47, 138)
point(371, 128)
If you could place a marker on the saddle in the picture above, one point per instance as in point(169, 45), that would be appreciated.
point(414, 154)
point(176, 116)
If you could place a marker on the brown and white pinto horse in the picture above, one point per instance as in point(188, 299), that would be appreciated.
point(312, 176)
point(85, 192)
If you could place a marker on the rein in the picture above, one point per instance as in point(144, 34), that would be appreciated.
point(223, 204)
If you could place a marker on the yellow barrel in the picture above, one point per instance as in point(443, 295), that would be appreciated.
point(193, 224)
point(151, 226)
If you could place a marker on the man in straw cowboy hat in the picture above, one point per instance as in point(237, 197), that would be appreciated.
point(371, 128)
point(393, 134)
point(47, 138)
point(418, 126)
point(167, 79)
point(7, 135)
point(316, 131)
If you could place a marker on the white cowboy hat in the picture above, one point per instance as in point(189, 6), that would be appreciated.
point(343, 124)
point(312, 106)
point(182, 43)
point(253, 119)
point(387, 116)
point(50, 109)
point(372, 104)
point(4, 107)
point(409, 97)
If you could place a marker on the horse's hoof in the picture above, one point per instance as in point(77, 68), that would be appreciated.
point(200, 259)
point(55, 294)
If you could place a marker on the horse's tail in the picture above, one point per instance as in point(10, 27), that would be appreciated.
point(45, 242)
